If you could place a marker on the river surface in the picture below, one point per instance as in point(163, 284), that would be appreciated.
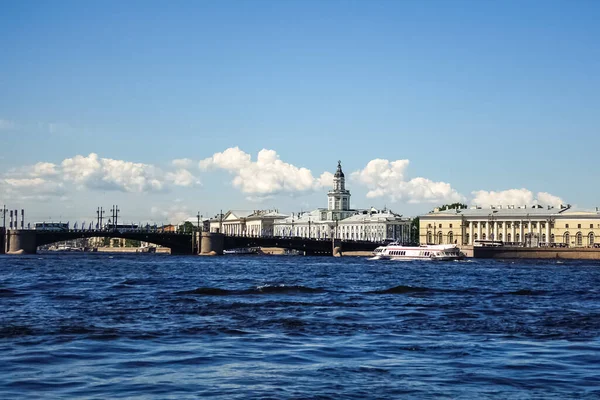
point(147, 326)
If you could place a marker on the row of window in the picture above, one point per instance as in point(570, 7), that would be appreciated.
point(516, 224)
point(591, 238)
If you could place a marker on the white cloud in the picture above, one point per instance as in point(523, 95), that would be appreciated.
point(268, 175)
point(182, 163)
point(176, 213)
point(46, 179)
point(31, 188)
point(231, 159)
point(105, 173)
point(182, 177)
point(386, 178)
point(43, 169)
point(517, 197)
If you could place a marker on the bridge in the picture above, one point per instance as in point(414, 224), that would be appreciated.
point(23, 241)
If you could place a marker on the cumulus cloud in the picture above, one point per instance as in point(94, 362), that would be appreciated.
point(386, 178)
point(31, 188)
point(174, 213)
point(43, 169)
point(184, 163)
point(182, 177)
point(268, 175)
point(517, 197)
point(105, 173)
point(46, 179)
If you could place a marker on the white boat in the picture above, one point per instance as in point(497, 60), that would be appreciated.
point(243, 251)
point(439, 252)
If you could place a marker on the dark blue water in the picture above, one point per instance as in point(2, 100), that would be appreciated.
point(152, 326)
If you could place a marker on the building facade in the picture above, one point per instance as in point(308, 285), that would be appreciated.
point(519, 226)
point(340, 221)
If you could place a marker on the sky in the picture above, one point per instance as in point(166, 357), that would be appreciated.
point(169, 109)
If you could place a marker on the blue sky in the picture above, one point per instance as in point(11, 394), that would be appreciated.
point(481, 97)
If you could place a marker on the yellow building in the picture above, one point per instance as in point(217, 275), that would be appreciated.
point(521, 226)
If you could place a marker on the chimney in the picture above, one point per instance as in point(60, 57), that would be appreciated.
point(11, 220)
point(22, 218)
point(16, 219)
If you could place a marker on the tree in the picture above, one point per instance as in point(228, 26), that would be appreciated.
point(132, 243)
point(187, 227)
point(415, 225)
point(453, 206)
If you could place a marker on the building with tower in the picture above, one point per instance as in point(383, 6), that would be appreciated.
point(342, 222)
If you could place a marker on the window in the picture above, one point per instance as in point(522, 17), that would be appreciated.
point(499, 224)
point(450, 225)
point(566, 226)
point(578, 226)
point(591, 239)
point(552, 238)
point(440, 226)
point(440, 238)
point(450, 237)
point(566, 238)
point(483, 224)
point(499, 236)
point(508, 237)
point(475, 224)
point(591, 226)
point(508, 225)
point(483, 236)
point(578, 239)
point(533, 225)
point(517, 237)
point(543, 225)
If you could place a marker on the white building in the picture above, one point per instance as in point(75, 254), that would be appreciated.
point(340, 221)
point(246, 223)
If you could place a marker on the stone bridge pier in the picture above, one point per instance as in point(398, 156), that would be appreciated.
point(20, 241)
point(2, 240)
point(211, 244)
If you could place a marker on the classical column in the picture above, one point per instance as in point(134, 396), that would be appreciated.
point(487, 230)
point(471, 232)
point(513, 231)
point(504, 231)
point(479, 230)
point(496, 230)
point(521, 231)
point(547, 231)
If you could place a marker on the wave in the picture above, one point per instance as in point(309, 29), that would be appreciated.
point(264, 289)
point(9, 293)
point(527, 292)
point(401, 289)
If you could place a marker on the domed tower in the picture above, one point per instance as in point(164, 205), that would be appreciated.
point(339, 197)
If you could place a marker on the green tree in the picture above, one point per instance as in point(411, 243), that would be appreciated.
point(106, 242)
point(132, 243)
point(453, 206)
point(415, 225)
point(187, 227)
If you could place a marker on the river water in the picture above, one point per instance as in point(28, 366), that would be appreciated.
point(158, 326)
